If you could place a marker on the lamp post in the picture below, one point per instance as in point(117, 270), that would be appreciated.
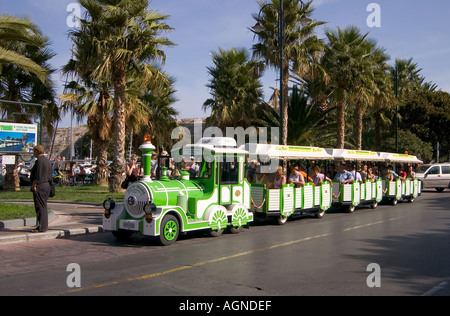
point(258, 28)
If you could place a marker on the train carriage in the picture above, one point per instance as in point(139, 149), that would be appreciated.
point(289, 200)
point(351, 195)
point(398, 189)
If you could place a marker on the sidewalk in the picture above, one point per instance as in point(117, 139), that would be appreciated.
point(70, 219)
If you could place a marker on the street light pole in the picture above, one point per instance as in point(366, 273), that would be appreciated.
point(281, 43)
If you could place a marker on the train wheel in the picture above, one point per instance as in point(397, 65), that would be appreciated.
point(218, 222)
point(170, 229)
point(320, 214)
point(235, 230)
point(216, 233)
point(394, 202)
point(374, 205)
point(282, 220)
point(351, 209)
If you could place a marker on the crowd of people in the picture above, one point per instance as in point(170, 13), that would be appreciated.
point(345, 173)
point(296, 174)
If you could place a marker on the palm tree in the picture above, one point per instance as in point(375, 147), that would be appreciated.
point(406, 78)
point(365, 89)
point(236, 89)
point(308, 124)
point(24, 76)
point(95, 102)
point(300, 41)
point(384, 98)
point(149, 110)
point(16, 30)
point(17, 84)
point(344, 61)
point(123, 33)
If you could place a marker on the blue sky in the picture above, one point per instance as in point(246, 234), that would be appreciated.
point(408, 29)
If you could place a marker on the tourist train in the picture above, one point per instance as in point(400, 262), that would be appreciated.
point(220, 197)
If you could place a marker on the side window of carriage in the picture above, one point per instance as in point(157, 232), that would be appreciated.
point(229, 170)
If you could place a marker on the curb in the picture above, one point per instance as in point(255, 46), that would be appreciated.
point(23, 222)
point(51, 234)
point(53, 201)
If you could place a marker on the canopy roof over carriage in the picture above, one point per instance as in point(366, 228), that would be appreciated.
point(354, 155)
point(399, 158)
point(287, 152)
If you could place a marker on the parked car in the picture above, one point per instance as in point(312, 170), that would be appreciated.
point(434, 176)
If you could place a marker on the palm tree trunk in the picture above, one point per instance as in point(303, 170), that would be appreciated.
point(340, 125)
point(102, 164)
point(118, 164)
point(285, 103)
point(358, 125)
point(11, 179)
point(377, 130)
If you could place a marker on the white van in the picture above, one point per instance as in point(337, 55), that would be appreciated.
point(434, 176)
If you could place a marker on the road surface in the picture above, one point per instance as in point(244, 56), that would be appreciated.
point(401, 250)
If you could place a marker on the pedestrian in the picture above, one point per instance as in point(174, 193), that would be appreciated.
point(41, 178)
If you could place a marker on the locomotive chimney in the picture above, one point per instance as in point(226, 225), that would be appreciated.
point(147, 149)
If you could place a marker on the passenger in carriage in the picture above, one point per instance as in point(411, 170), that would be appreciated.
point(390, 174)
point(356, 175)
point(344, 176)
point(301, 169)
point(402, 175)
point(251, 171)
point(364, 173)
point(296, 178)
point(410, 173)
point(370, 175)
point(376, 174)
point(332, 172)
point(259, 178)
point(318, 177)
point(279, 179)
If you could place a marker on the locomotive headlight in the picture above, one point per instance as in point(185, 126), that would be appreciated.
point(109, 204)
point(148, 209)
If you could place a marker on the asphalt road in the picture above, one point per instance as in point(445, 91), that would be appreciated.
point(402, 250)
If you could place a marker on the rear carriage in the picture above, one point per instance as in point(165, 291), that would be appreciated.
point(407, 189)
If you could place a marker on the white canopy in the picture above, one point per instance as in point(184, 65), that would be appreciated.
point(265, 151)
point(399, 158)
point(354, 155)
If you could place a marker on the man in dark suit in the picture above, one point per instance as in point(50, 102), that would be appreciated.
point(41, 178)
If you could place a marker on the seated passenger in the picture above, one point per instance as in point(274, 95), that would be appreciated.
point(402, 175)
point(370, 175)
point(411, 174)
point(356, 175)
point(251, 171)
point(280, 179)
point(296, 178)
point(364, 173)
point(303, 173)
point(390, 174)
point(343, 175)
point(318, 177)
point(259, 178)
